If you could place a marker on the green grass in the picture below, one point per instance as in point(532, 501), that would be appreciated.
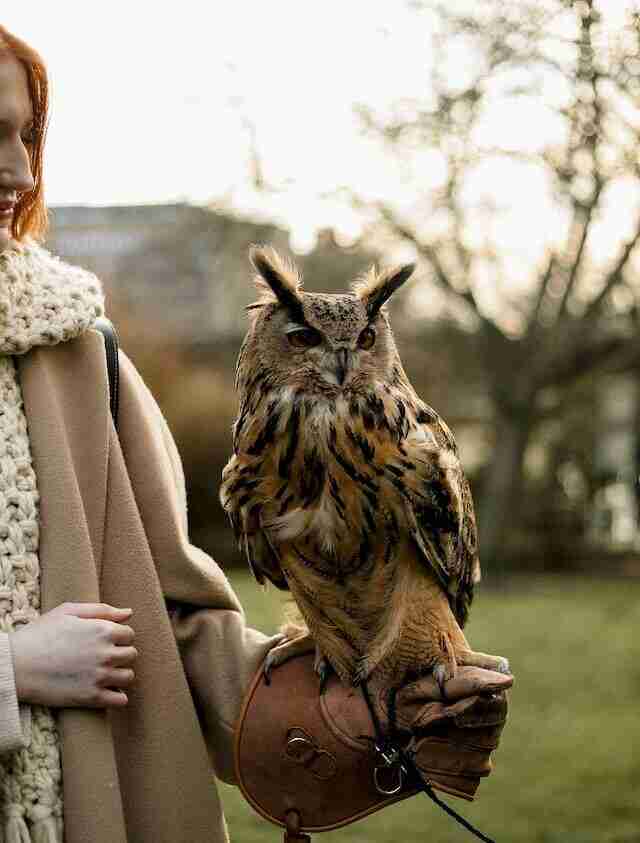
point(568, 766)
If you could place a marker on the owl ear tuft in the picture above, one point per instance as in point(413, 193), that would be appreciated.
point(374, 288)
point(277, 280)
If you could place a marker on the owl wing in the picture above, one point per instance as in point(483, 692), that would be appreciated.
point(245, 514)
point(439, 510)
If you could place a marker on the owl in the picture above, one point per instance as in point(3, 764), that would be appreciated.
point(345, 488)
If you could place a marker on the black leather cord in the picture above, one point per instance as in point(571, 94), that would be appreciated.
point(388, 749)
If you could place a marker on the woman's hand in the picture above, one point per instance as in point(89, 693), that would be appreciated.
point(78, 654)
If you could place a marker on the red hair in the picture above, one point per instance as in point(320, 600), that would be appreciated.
point(30, 217)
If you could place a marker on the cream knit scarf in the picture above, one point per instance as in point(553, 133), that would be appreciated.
point(43, 301)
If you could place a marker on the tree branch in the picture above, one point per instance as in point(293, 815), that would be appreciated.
point(430, 254)
point(585, 225)
point(584, 359)
point(615, 276)
point(542, 292)
point(583, 212)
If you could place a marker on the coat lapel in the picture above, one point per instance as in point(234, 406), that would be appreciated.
point(69, 444)
point(70, 449)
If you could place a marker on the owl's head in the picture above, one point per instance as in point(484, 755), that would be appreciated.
point(320, 342)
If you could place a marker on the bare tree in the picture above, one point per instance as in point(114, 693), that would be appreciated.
point(584, 80)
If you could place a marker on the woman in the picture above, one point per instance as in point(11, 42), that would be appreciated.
point(72, 656)
point(95, 744)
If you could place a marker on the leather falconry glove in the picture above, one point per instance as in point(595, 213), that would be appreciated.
point(311, 762)
point(450, 741)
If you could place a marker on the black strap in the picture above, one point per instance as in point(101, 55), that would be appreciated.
point(108, 331)
point(392, 754)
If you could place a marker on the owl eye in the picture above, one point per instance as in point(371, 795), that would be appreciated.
point(367, 339)
point(304, 337)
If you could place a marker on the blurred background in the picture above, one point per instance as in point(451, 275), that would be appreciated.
point(498, 146)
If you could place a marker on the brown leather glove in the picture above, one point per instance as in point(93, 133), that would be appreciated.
point(309, 763)
point(449, 741)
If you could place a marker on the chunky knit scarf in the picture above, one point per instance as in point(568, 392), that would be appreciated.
point(43, 301)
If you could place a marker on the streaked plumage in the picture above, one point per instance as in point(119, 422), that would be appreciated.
point(345, 487)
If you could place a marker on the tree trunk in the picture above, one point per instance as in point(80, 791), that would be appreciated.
point(500, 504)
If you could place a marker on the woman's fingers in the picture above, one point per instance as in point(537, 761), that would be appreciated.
point(111, 699)
point(97, 611)
point(116, 678)
point(119, 633)
point(122, 656)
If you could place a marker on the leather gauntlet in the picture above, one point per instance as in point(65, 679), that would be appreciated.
point(312, 763)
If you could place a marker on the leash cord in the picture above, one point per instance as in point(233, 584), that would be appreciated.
point(449, 810)
point(386, 747)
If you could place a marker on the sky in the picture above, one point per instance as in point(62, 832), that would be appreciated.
point(150, 103)
point(150, 100)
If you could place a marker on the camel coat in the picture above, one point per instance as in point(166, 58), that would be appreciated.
point(114, 529)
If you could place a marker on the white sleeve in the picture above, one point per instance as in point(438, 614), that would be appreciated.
point(14, 719)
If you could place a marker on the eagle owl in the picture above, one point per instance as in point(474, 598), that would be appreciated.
point(345, 487)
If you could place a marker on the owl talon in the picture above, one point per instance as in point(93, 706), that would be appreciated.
point(266, 670)
point(471, 659)
point(324, 670)
point(440, 676)
point(285, 649)
point(503, 667)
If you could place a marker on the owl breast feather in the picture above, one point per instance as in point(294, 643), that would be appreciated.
point(343, 481)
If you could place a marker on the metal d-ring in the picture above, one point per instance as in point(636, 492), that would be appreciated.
point(391, 759)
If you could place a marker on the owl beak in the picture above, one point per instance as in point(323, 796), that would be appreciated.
point(342, 365)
